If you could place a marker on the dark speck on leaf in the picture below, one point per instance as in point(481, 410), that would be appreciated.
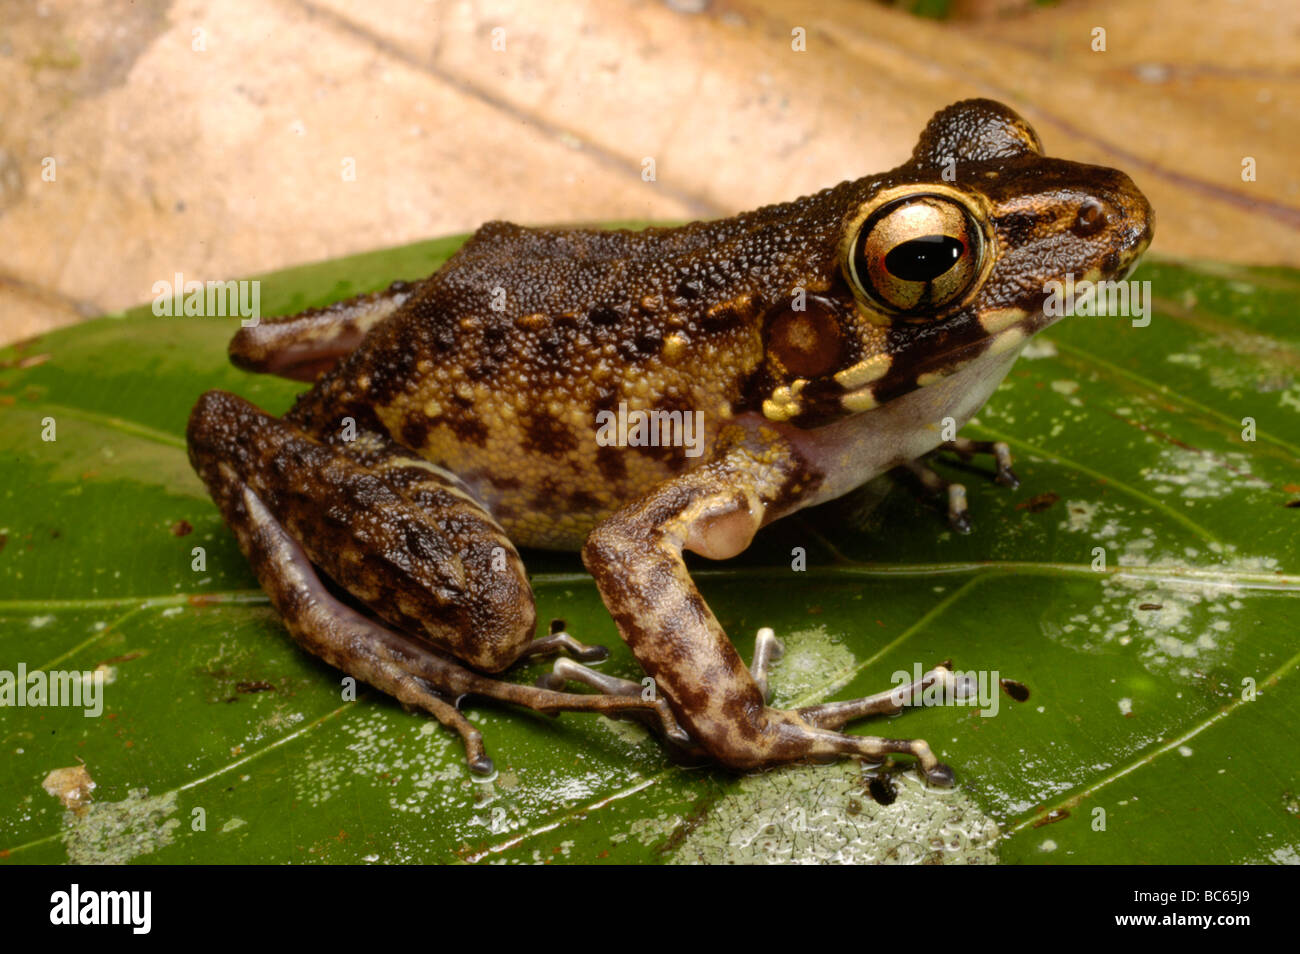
point(881, 788)
point(125, 657)
point(1055, 815)
point(1016, 690)
point(182, 528)
point(1040, 503)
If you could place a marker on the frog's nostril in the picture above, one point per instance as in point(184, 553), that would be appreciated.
point(1090, 219)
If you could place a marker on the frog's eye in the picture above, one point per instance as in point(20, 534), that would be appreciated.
point(916, 255)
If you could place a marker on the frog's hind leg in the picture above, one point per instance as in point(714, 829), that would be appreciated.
point(408, 542)
point(566, 670)
point(427, 486)
point(295, 504)
point(339, 634)
point(954, 492)
point(767, 649)
point(306, 345)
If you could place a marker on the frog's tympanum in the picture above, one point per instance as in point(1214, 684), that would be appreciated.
point(803, 348)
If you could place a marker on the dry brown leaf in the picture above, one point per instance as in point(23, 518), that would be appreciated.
point(226, 159)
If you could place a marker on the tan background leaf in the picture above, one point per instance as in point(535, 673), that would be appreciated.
point(208, 138)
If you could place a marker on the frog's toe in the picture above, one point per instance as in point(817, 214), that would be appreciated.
point(551, 680)
point(876, 749)
point(658, 719)
point(767, 650)
point(785, 735)
point(560, 641)
point(939, 487)
point(958, 511)
point(304, 346)
point(940, 775)
point(966, 449)
point(833, 715)
point(566, 670)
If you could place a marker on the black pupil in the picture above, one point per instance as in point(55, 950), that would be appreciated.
point(924, 259)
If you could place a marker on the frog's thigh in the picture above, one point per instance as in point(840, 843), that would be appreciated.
point(430, 560)
point(636, 558)
point(306, 345)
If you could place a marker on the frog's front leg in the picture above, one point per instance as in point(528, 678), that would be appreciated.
point(954, 492)
point(636, 558)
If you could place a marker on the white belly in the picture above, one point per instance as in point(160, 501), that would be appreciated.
point(855, 449)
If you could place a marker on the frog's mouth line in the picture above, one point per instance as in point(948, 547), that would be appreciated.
point(1011, 336)
point(1007, 329)
point(1135, 259)
point(1004, 329)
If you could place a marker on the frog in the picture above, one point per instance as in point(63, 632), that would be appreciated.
point(815, 345)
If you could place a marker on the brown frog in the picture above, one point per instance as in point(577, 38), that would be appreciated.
point(635, 394)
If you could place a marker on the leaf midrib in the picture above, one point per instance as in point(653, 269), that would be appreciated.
point(1158, 572)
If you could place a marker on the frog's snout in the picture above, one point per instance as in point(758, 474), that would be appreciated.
point(1115, 219)
point(1132, 221)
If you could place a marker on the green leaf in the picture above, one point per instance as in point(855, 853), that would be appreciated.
point(220, 741)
